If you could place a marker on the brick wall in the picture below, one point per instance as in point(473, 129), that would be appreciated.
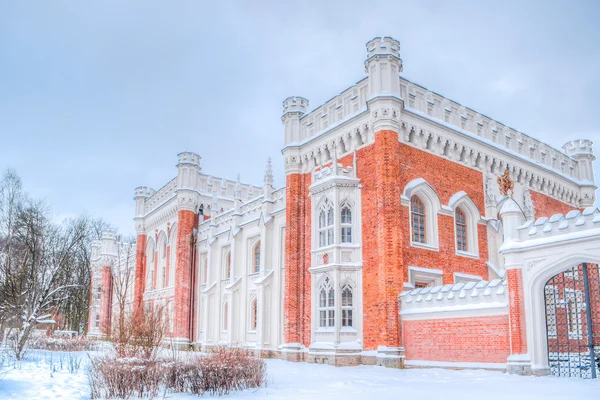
point(379, 168)
point(187, 220)
point(297, 259)
point(384, 169)
point(472, 339)
point(546, 206)
point(518, 336)
point(140, 273)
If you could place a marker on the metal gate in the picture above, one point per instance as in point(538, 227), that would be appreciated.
point(573, 322)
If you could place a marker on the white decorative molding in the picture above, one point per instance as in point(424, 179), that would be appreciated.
point(460, 300)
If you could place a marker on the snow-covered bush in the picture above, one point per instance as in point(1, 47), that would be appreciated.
point(63, 344)
point(222, 371)
point(125, 378)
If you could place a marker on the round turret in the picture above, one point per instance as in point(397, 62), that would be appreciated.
point(142, 191)
point(383, 46)
point(187, 157)
point(578, 147)
point(295, 104)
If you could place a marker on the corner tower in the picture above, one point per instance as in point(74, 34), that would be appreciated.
point(581, 150)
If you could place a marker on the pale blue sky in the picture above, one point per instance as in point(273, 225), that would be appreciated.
point(98, 97)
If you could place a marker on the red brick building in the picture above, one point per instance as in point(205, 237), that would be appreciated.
point(392, 192)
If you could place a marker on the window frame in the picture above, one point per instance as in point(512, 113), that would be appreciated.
point(325, 225)
point(347, 309)
point(326, 305)
point(346, 226)
point(253, 314)
point(255, 257)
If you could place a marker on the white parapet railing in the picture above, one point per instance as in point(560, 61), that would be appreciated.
point(575, 223)
point(459, 300)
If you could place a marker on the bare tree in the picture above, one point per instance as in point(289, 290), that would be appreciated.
point(37, 258)
point(122, 272)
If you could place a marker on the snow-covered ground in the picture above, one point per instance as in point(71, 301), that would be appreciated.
point(45, 375)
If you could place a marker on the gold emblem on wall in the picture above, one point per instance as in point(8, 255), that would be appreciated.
point(506, 184)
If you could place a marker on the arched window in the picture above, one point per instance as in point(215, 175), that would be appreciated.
point(225, 323)
point(326, 305)
point(227, 266)
point(347, 306)
point(417, 216)
point(346, 223)
point(205, 269)
point(256, 257)
point(461, 230)
point(326, 224)
point(253, 315)
point(150, 261)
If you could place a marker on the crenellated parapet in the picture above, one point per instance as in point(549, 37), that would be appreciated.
point(574, 223)
point(471, 297)
point(386, 101)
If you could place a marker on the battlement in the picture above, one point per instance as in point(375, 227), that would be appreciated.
point(143, 191)
point(455, 297)
point(383, 46)
point(187, 157)
point(578, 147)
point(560, 224)
point(295, 104)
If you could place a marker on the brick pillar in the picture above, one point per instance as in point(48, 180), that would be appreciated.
point(297, 300)
point(518, 338)
point(187, 220)
point(293, 259)
point(106, 300)
point(379, 171)
point(140, 273)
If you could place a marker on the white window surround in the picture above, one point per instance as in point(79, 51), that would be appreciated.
point(253, 315)
point(432, 277)
point(226, 263)
point(459, 277)
point(472, 215)
point(325, 223)
point(252, 243)
point(172, 254)
point(150, 253)
point(162, 260)
point(346, 221)
point(420, 188)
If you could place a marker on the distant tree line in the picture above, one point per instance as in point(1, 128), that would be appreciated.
point(44, 266)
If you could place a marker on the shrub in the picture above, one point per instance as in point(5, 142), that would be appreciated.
point(220, 372)
point(62, 344)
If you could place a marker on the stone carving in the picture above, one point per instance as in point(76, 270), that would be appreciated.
point(490, 199)
point(528, 207)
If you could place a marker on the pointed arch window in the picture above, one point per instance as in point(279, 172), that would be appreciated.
point(418, 219)
point(253, 315)
point(461, 230)
point(227, 266)
point(256, 257)
point(347, 306)
point(326, 224)
point(346, 223)
point(150, 261)
point(326, 305)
